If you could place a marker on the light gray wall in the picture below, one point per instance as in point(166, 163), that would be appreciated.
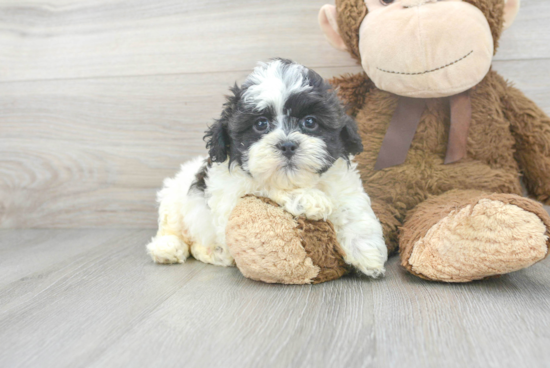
point(100, 100)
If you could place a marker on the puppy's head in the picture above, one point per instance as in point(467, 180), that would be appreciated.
point(284, 126)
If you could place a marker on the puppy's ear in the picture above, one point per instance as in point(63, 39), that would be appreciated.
point(217, 142)
point(350, 137)
point(217, 137)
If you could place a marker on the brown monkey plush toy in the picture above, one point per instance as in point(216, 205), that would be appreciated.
point(446, 139)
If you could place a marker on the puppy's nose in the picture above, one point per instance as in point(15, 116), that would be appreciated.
point(287, 148)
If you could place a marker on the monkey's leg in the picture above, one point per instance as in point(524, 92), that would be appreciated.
point(388, 217)
point(466, 235)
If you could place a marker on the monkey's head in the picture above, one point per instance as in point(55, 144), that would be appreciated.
point(420, 48)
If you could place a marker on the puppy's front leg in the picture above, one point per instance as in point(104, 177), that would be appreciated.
point(171, 245)
point(360, 234)
point(311, 203)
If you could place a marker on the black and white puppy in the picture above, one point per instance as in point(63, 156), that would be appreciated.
point(282, 135)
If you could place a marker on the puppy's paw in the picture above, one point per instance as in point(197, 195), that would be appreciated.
point(216, 255)
point(312, 203)
point(368, 267)
point(368, 258)
point(168, 249)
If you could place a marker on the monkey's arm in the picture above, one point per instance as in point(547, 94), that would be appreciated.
point(352, 90)
point(531, 129)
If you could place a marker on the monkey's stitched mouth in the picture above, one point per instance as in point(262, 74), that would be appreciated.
point(428, 71)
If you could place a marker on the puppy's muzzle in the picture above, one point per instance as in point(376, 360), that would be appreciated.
point(287, 148)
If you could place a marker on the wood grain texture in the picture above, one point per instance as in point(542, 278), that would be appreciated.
point(55, 39)
point(93, 152)
point(25, 252)
point(494, 323)
point(101, 100)
point(76, 39)
point(108, 305)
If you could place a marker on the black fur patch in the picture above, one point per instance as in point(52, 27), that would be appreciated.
point(199, 184)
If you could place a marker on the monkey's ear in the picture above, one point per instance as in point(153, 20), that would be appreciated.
point(329, 26)
point(350, 137)
point(511, 9)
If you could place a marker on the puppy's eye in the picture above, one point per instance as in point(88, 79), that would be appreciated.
point(310, 123)
point(386, 2)
point(261, 125)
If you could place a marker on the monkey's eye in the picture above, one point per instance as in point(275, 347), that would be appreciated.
point(261, 125)
point(310, 123)
point(386, 2)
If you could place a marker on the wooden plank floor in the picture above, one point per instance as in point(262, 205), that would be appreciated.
point(93, 298)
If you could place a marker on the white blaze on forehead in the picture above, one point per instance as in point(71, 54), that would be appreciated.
point(272, 84)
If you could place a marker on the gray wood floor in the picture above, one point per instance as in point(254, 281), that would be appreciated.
point(92, 298)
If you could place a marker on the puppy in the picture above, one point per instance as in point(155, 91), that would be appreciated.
point(283, 135)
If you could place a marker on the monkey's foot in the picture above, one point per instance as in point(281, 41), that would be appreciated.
point(478, 237)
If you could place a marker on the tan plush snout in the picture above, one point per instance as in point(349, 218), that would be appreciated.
point(418, 48)
point(433, 49)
